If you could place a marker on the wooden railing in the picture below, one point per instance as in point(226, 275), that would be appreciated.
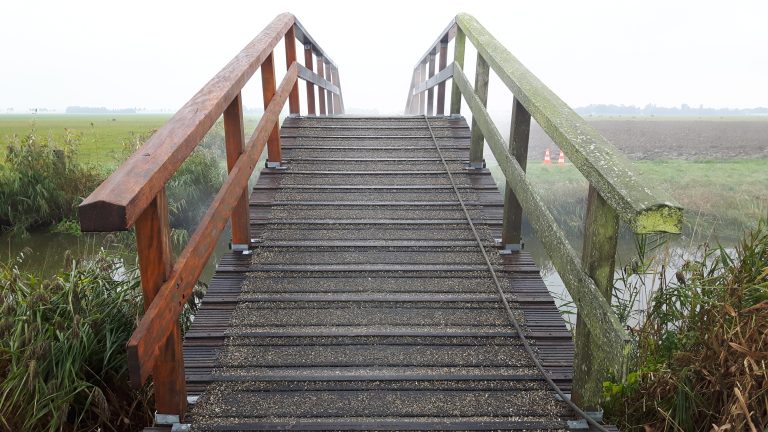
point(616, 192)
point(134, 195)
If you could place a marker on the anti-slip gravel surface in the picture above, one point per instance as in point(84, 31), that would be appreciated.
point(366, 302)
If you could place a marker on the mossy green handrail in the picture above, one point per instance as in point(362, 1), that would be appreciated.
point(616, 191)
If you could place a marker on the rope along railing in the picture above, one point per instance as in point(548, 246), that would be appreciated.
point(616, 192)
point(134, 195)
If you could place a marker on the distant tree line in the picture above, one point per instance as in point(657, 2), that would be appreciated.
point(98, 110)
point(653, 110)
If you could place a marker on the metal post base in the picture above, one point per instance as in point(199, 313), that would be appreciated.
point(275, 165)
point(582, 424)
point(510, 248)
point(475, 165)
point(166, 419)
point(244, 249)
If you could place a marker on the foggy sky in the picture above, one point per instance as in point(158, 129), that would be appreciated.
point(157, 54)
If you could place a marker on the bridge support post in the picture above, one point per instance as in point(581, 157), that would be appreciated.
point(269, 88)
point(153, 246)
point(598, 259)
point(481, 90)
point(422, 95)
point(338, 104)
point(511, 233)
point(458, 58)
point(308, 63)
point(234, 137)
point(442, 63)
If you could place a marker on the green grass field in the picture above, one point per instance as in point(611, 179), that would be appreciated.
point(102, 136)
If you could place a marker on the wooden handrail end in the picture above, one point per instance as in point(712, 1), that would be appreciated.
point(102, 216)
point(137, 375)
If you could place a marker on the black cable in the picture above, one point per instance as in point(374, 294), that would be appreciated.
point(504, 301)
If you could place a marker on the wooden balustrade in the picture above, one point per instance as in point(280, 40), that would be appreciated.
point(616, 192)
point(134, 195)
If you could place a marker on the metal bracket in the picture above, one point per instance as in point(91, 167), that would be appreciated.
point(275, 165)
point(582, 424)
point(475, 165)
point(166, 419)
point(244, 249)
point(509, 248)
point(181, 427)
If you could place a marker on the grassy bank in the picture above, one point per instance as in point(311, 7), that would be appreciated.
point(697, 356)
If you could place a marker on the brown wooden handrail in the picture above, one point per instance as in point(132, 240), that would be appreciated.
point(134, 195)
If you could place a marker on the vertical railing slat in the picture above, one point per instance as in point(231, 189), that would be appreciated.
point(458, 58)
point(519, 132)
point(601, 228)
point(422, 95)
point(269, 88)
point(234, 138)
point(308, 63)
point(329, 94)
point(336, 98)
point(320, 90)
point(442, 63)
point(153, 246)
point(481, 90)
point(431, 92)
point(290, 59)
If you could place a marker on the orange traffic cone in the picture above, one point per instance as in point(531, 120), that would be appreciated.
point(561, 159)
point(547, 160)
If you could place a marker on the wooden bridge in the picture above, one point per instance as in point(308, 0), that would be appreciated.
point(376, 279)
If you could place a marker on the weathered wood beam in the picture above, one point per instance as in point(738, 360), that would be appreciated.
point(458, 61)
point(317, 80)
point(441, 77)
point(643, 207)
point(118, 201)
point(596, 311)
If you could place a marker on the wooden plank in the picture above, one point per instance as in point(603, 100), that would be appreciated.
point(441, 66)
point(477, 142)
point(431, 92)
point(444, 75)
point(118, 201)
point(458, 61)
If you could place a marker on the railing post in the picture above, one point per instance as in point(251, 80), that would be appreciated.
point(511, 232)
point(234, 137)
point(431, 92)
point(290, 58)
point(329, 99)
point(269, 88)
point(308, 63)
point(153, 246)
point(410, 101)
point(481, 90)
point(601, 228)
point(336, 98)
point(458, 58)
point(422, 95)
point(337, 81)
point(320, 90)
point(442, 63)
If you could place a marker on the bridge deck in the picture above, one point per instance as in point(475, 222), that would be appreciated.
point(368, 304)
